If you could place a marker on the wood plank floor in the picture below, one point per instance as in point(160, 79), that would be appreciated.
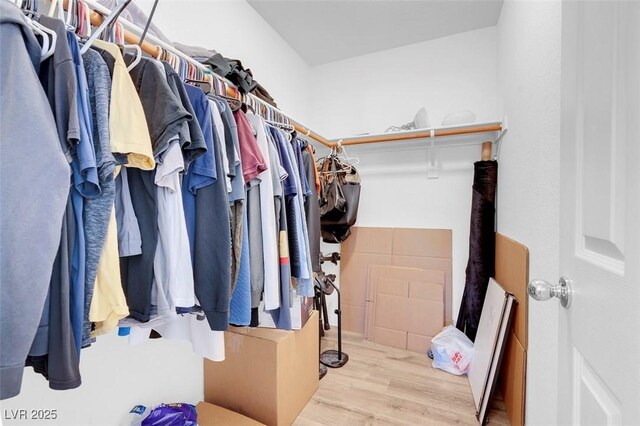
point(384, 385)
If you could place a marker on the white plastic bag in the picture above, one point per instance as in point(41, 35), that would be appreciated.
point(452, 351)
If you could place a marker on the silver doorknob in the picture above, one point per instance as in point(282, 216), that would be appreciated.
point(543, 291)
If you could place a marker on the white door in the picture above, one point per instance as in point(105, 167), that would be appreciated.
point(599, 380)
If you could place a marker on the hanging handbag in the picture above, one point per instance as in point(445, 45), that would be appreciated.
point(332, 201)
point(340, 197)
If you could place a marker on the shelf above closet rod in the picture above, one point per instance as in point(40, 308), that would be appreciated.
point(420, 134)
point(153, 48)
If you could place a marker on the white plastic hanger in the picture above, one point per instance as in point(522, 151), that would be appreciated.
point(87, 17)
point(67, 21)
point(45, 39)
point(351, 160)
point(49, 38)
point(138, 58)
point(56, 7)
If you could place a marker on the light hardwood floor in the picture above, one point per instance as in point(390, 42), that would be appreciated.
point(384, 385)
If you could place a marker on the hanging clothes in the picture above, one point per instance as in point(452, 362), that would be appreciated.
point(253, 164)
point(311, 206)
point(24, 279)
point(240, 304)
point(97, 210)
point(207, 213)
point(131, 144)
point(304, 284)
point(165, 116)
point(167, 213)
point(268, 219)
point(282, 314)
point(54, 352)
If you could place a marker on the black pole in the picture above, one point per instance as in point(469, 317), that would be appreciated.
point(326, 324)
point(339, 314)
point(332, 358)
point(146, 26)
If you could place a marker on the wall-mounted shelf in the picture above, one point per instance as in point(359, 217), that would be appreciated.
point(493, 133)
point(490, 127)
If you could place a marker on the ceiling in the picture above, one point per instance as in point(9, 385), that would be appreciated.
point(329, 30)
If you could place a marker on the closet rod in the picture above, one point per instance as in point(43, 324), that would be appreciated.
point(395, 137)
point(132, 36)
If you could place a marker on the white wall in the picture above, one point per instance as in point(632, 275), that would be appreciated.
point(528, 188)
point(116, 376)
point(364, 94)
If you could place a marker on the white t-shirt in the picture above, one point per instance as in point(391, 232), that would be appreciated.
point(173, 272)
point(268, 221)
point(193, 328)
point(219, 129)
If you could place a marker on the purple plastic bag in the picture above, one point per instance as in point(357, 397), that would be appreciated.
point(172, 415)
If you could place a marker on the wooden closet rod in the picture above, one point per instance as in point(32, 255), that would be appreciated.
point(395, 137)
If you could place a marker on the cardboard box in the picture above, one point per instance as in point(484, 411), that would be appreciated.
point(209, 414)
point(429, 249)
point(512, 272)
point(405, 306)
point(268, 375)
point(300, 313)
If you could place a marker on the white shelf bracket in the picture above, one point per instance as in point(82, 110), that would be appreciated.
point(498, 142)
point(433, 163)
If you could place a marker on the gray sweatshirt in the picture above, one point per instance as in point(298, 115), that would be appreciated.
point(34, 187)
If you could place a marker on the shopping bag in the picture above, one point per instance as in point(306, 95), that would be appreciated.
point(452, 351)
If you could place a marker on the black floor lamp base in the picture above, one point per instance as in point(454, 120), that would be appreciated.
point(322, 371)
point(333, 358)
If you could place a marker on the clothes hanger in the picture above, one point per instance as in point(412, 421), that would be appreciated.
point(112, 17)
point(333, 160)
point(70, 11)
point(79, 19)
point(204, 85)
point(351, 160)
point(49, 35)
point(56, 7)
point(29, 7)
point(138, 57)
point(44, 49)
point(85, 17)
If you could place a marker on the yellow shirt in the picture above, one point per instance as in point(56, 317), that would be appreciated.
point(127, 124)
point(129, 135)
point(108, 304)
